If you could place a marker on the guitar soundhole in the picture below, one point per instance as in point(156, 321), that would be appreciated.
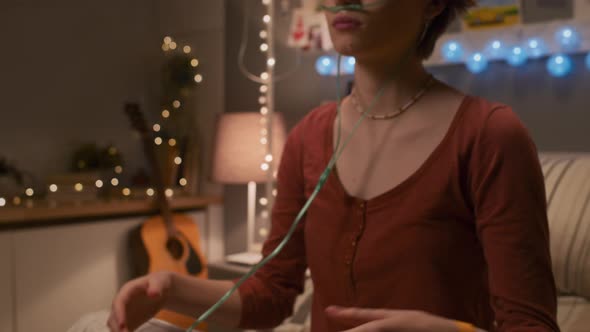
point(174, 247)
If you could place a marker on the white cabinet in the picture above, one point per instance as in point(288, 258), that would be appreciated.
point(59, 273)
point(63, 272)
point(6, 283)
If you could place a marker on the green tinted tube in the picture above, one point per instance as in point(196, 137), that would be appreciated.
point(322, 180)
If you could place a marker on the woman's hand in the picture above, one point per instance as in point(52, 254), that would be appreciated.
point(380, 320)
point(138, 301)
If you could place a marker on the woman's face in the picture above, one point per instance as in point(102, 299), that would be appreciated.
point(387, 29)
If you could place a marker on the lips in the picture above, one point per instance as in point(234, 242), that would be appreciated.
point(346, 23)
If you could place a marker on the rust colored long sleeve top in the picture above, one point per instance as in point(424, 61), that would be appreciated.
point(464, 237)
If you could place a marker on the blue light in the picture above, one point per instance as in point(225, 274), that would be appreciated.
point(477, 63)
point(568, 38)
point(588, 61)
point(517, 56)
point(536, 48)
point(559, 65)
point(496, 49)
point(347, 64)
point(452, 51)
point(325, 65)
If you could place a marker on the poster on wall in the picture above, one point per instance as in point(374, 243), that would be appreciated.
point(309, 30)
point(493, 14)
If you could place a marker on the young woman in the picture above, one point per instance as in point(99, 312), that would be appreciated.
point(433, 219)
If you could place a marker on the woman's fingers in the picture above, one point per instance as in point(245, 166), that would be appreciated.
point(155, 287)
point(379, 320)
point(358, 314)
point(118, 310)
point(122, 300)
point(374, 326)
point(371, 319)
point(353, 317)
point(114, 325)
point(138, 300)
point(111, 324)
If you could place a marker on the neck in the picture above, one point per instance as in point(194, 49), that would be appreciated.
point(401, 81)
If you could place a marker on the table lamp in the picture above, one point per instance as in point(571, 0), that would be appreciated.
point(239, 154)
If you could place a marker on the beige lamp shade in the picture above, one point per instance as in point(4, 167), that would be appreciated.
point(239, 149)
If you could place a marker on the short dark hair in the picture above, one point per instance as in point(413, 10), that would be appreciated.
point(440, 23)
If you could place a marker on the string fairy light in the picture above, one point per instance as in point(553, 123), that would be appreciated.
point(176, 105)
point(168, 45)
point(266, 101)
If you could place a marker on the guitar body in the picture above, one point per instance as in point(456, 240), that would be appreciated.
point(155, 237)
point(156, 256)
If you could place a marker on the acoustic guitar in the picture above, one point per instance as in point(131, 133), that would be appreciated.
point(166, 242)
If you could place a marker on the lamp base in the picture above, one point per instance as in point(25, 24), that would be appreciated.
point(244, 258)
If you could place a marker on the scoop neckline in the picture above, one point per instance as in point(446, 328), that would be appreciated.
point(376, 200)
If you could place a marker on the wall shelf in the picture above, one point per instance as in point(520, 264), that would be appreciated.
point(43, 214)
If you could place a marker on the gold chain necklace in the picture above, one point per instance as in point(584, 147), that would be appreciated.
point(354, 98)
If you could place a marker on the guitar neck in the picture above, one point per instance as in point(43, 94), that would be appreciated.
point(160, 189)
point(138, 122)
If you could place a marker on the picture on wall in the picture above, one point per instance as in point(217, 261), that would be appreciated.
point(306, 30)
point(309, 29)
point(493, 14)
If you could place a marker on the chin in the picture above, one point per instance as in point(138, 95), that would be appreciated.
point(346, 46)
point(345, 51)
point(349, 43)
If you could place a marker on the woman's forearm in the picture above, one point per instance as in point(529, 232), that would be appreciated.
point(192, 297)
